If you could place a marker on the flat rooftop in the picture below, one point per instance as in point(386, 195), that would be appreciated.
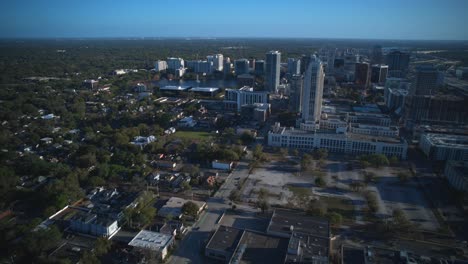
point(367, 109)
point(174, 205)
point(282, 220)
point(174, 88)
point(351, 255)
point(333, 134)
point(262, 248)
point(151, 240)
point(204, 89)
point(308, 249)
point(455, 141)
point(225, 239)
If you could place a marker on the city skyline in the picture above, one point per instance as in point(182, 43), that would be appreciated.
point(416, 20)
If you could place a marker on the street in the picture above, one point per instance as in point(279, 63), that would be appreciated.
point(190, 249)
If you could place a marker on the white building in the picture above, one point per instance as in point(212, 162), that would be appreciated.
point(160, 65)
point(444, 146)
point(180, 72)
point(312, 91)
point(217, 61)
point(173, 207)
point(158, 242)
point(175, 63)
point(272, 70)
point(381, 131)
point(142, 141)
point(349, 143)
point(457, 174)
point(236, 98)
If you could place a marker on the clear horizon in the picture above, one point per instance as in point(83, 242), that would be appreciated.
point(365, 20)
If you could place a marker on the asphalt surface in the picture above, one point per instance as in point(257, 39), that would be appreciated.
point(191, 248)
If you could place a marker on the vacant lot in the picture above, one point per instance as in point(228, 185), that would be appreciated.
point(281, 182)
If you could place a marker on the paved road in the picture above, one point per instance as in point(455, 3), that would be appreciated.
point(190, 250)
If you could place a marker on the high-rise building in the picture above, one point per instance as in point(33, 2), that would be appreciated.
point(395, 92)
point(295, 93)
point(160, 65)
point(376, 55)
point(312, 91)
point(379, 73)
point(425, 81)
point(435, 109)
point(259, 67)
point(362, 74)
point(217, 60)
point(227, 67)
point(175, 63)
point(304, 62)
point(272, 70)
point(294, 66)
point(252, 64)
point(234, 99)
point(241, 66)
point(398, 63)
point(199, 66)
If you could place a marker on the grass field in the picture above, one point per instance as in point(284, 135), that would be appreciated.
point(300, 191)
point(194, 135)
point(341, 206)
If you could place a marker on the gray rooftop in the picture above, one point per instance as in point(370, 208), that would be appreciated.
point(282, 220)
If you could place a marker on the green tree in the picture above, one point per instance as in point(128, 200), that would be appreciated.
point(247, 138)
point(369, 176)
point(403, 176)
point(263, 205)
point(394, 160)
point(306, 161)
point(102, 246)
point(263, 193)
point(186, 186)
point(371, 201)
point(235, 196)
point(8, 180)
point(258, 152)
point(190, 208)
point(89, 258)
point(335, 218)
point(320, 182)
point(320, 154)
point(283, 152)
point(316, 207)
point(400, 221)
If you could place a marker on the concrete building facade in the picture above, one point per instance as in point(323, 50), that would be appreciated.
point(272, 71)
point(312, 91)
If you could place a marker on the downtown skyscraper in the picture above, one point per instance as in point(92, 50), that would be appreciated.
point(272, 71)
point(312, 91)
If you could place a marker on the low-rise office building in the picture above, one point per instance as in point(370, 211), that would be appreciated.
point(91, 224)
point(234, 99)
point(235, 245)
point(154, 241)
point(346, 142)
point(444, 146)
point(205, 91)
point(173, 207)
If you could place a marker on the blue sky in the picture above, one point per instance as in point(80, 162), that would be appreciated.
point(376, 19)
